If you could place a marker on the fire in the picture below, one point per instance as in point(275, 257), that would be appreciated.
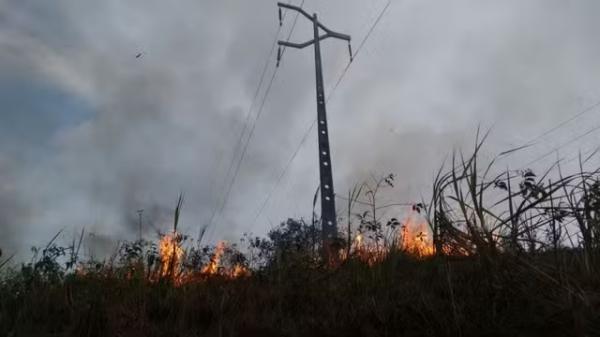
point(212, 268)
point(239, 271)
point(215, 267)
point(80, 270)
point(171, 254)
point(358, 239)
point(415, 238)
point(367, 253)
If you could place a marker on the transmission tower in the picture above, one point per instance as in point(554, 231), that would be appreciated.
point(328, 214)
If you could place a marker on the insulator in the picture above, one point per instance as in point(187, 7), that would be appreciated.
point(280, 17)
point(278, 56)
point(350, 51)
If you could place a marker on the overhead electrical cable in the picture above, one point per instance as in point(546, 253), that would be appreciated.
point(237, 166)
point(534, 140)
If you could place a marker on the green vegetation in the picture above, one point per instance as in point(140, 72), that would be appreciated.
point(515, 255)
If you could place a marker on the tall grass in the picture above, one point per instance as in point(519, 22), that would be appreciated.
point(474, 212)
point(516, 254)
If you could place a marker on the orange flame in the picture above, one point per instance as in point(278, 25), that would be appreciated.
point(239, 271)
point(212, 268)
point(368, 254)
point(171, 254)
point(415, 238)
point(359, 240)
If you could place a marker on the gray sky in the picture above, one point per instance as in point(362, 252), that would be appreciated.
point(89, 134)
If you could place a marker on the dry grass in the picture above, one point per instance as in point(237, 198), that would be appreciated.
point(516, 254)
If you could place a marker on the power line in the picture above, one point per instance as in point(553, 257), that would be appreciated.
point(259, 113)
point(365, 203)
point(589, 154)
point(534, 140)
point(585, 156)
point(314, 122)
point(285, 169)
point(245, 148)
point(360, 46)
point(594, 129)
point(248, 115)
point(572, 118)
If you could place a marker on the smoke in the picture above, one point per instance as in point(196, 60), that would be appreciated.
point(13, 210)
point(91, 134)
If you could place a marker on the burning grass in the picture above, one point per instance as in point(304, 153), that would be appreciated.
point(516, 254)
point(400, 294)
point(171, 254)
